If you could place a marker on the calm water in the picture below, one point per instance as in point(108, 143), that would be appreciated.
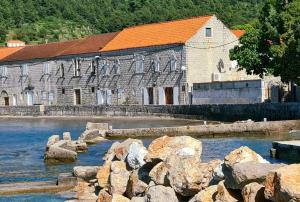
point(22, 145)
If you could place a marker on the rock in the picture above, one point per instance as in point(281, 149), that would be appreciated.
point(187, 176)
point(52, 140)
point(66, 179)
point(283, 184)
point(80, 146)
point(206, 195)
point(165, 146)
point(119, 198)
point(242, 154)
point(135, 186)
point(121, 150)
point(104, 196)
point(118, 177)
point(137, 199)
point(67, 136)
point(245, 173)
point(136, 154)
point(85, 172)
point(253, 192)
point(158, 174)
point(103, 174)
point(93, 136)
point(218, 174)
point(85, 192)
point(110, 154)
point(160, 193)
point(98, 126)
point(223, 195)
point(56, 154)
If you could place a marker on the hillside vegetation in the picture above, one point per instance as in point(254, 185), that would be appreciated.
point(40, 21)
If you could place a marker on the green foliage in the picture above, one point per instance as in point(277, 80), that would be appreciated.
point(272, 45)
point(52, 20)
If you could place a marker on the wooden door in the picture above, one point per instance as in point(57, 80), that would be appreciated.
point(150, 96)
point(6, 101)
point(169, 95)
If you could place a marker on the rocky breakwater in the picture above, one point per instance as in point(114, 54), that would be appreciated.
point(63, 151)
point(94, 133)
point(170, 169)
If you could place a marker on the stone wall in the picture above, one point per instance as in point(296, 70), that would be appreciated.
point(257, 112)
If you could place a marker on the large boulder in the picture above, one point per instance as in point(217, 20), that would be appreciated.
point(85, 172)
point(136, 154)
point(119, 198)
point(93, 136)
point(137, 199)
point(104, 196)
point(111, 154)
point(187, 176)
point(223, 194)
point(103, 174)
point(158, 174)
point(160, 193)
point(242, 154)
point(85, 192)
point(247, 172)
point(135, 186)
point(206, 195)
point(253, 192)
point(283, 184)
point(119, 177)
point(56, 154)
point(52, 140)
point(161, 148)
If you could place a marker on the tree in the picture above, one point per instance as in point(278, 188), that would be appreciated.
point(272, 45)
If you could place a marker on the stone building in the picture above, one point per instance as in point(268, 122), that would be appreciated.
point(148, 64)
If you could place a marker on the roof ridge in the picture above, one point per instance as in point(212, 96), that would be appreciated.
point(170, 21)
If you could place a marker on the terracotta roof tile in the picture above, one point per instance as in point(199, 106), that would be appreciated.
point(172, 32)
point(4, 52)
point(238, 32)
point(89, 44)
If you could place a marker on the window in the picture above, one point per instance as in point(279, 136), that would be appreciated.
point(24, 70)
point(208, 32)
point(139, 64)
point(62, 70)
point(76, 67)
point(105, 68)
point(51, 96)
point(63, 91)
point(117, 67)
point(156, 64)
point(93, 67)
point(3, 71)
point(46, 69)
point(44, 95)
point(93, 89)
point(173, 63)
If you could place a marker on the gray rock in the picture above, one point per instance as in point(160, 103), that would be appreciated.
point(56, 154)
point(136, 154)
point(66, 179)
point(160, 193)
point(52, 140)
point(118, 178)
point(85, 172)
point(245, 173)
point(93, 136)
point(253, 192)
point(67, 136)
point(137, 199)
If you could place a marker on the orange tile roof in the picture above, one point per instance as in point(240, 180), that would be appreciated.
point(238, 32)
point(4, 52)
point(172, 32)
point(90, 44)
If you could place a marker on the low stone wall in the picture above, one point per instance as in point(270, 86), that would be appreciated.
point(257, 112)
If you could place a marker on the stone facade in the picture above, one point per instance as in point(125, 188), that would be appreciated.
point(154, 75)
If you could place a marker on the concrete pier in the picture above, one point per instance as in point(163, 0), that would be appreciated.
point(287, 150)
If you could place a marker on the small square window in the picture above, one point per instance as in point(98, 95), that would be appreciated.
point(63, 91)
point(208, 32)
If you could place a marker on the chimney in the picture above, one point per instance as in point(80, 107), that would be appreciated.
point(15, 43)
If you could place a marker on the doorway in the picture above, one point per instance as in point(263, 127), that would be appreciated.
point(77, 97)
point(30, 98)
point(14, 100)
point(151, 96)
point(6, 101)
point(169, 95)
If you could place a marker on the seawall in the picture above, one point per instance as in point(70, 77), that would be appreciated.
point(257, 112)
